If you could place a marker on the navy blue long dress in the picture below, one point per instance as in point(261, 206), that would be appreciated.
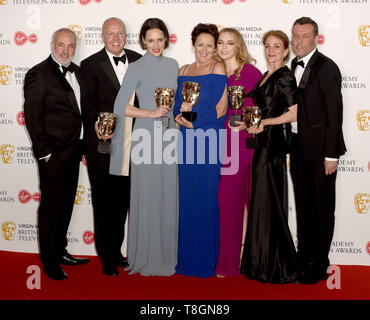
point(200, 152)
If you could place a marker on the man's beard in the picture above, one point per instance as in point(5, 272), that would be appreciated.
point(62, 62)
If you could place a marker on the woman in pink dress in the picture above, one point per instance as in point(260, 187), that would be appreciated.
point(235, 183)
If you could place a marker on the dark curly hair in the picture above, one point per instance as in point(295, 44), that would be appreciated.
point(153, 23)
point(204, 28)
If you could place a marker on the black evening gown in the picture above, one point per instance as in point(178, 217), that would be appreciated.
point(269, 254)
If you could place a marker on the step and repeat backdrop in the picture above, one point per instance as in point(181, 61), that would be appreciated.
point(26, 27)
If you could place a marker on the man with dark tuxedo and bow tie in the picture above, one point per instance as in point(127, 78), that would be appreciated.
point(101, 77)
point(316, 145)
point(53, 120)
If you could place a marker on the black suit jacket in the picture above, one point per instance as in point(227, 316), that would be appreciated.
point(52, 115)
point(99, 88)
point(320, 109)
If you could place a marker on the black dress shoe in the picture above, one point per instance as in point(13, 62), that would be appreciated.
point(110, 270)
point(121, 262)
point(69, 260)
point(312, 274)
point(55, 272)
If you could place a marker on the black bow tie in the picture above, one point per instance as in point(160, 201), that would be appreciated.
point(70, 68)
point(296, 63)
point(117, 59)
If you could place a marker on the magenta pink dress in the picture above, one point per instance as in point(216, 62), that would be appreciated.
point(235, 183)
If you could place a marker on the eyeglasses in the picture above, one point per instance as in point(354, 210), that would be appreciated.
point(113, 34)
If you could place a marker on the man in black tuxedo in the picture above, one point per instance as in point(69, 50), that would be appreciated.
point(315, 149)
point(53, 120)
point(101, 77)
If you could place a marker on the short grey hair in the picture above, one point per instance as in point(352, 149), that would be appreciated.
point(55, 34)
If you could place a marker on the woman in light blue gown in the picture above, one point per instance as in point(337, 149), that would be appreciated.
point(153, 219)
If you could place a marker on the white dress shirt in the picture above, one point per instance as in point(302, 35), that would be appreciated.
point(119, 69)
point(298, 75)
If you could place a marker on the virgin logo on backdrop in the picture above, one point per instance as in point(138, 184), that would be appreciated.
point(20, 118)
point(20, 38)
point(231, 1)
point(24, 196)
point(86, 2)
point(173, 38)
point(321, 39)
point(368, 248)
point(88, 237)
point(84, 162)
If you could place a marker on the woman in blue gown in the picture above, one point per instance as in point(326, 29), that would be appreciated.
point(200, 152)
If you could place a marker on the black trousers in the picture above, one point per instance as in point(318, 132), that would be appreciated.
point(58, 185)
point(315, 205)
point(111, 201)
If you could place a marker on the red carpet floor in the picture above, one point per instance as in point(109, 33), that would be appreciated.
point(88, 283)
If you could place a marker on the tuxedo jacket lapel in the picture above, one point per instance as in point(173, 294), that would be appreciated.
point(73, 100)
point(65, 84)
point(130, 56)
point(307, 70)
point(108, 69)
point(293, 66)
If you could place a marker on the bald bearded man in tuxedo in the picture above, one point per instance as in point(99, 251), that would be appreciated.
point(101, 77)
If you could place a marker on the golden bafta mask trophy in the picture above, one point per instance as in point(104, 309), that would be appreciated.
point(164, 97)
point(252, 116)
point(236, 97)
point(190, 92)
point(106, 124)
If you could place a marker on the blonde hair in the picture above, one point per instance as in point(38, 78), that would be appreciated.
point(242, 55)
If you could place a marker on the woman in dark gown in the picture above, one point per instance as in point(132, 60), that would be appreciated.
point(269, 254)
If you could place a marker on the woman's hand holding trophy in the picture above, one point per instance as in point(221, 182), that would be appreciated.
point(190, 92)
point(164, 98)
point(236, 97)
point(253, 120)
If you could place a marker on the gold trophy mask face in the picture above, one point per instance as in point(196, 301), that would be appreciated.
point(164, 96)
point(362, 202)
point(190, 93)
point(106, 124)
point(80, 194)
point(252, 116)
point(236, 96)
point(7, 152)
point(8, 229)
point(5, 74)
